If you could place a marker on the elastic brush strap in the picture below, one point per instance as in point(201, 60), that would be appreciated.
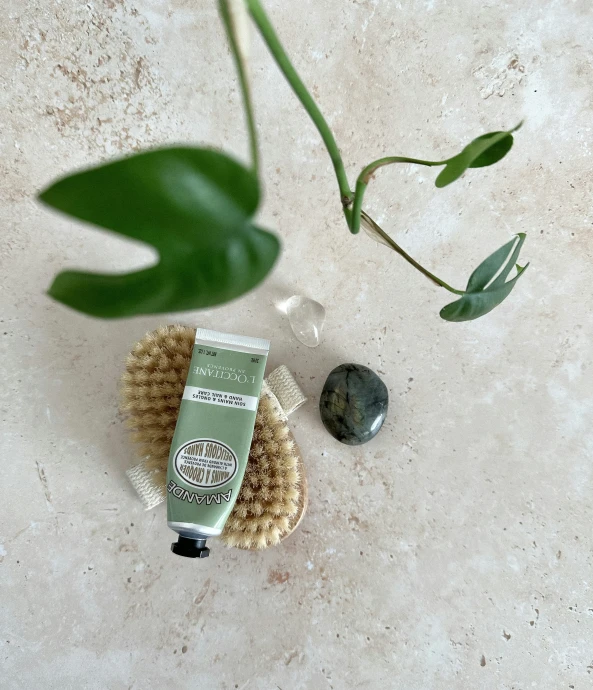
point(283, 385)
point(149, 485)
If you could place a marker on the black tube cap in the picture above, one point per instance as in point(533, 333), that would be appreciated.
point(190, 548)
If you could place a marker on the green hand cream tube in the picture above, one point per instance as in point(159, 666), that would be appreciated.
point(213, 436)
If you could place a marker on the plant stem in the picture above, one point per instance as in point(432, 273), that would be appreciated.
point(365, 176)
point(239, 59)
point(358, 213)
point(352, 203)
point(283, 61)
point(379, 231)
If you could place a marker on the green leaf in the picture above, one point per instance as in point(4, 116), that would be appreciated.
point(193, 205)
point(487, 286)
point(485, 150)
point(496, 150)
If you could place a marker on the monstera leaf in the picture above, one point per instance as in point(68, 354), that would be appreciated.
point(485, 150)
point(193, 205)
point(488, 285)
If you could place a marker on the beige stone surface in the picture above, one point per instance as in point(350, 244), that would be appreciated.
point(452, 552)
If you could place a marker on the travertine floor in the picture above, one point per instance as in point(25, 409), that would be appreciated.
point(453, 552)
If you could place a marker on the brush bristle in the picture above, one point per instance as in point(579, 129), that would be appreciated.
point(151, 390)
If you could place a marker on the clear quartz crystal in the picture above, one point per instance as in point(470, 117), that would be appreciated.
point(306, 318)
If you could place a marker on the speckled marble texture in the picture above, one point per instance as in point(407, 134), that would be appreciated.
point(452, 552)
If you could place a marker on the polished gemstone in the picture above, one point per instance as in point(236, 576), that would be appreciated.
point(353, 404)
point(306, 318)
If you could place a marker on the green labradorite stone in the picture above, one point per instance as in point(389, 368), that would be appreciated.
point(353, 404)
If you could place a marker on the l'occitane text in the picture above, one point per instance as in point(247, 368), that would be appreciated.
point(224, 373)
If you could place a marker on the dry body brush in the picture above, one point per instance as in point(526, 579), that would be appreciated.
point(273, 496)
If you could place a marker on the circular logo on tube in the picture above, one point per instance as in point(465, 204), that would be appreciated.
point(205, 463)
